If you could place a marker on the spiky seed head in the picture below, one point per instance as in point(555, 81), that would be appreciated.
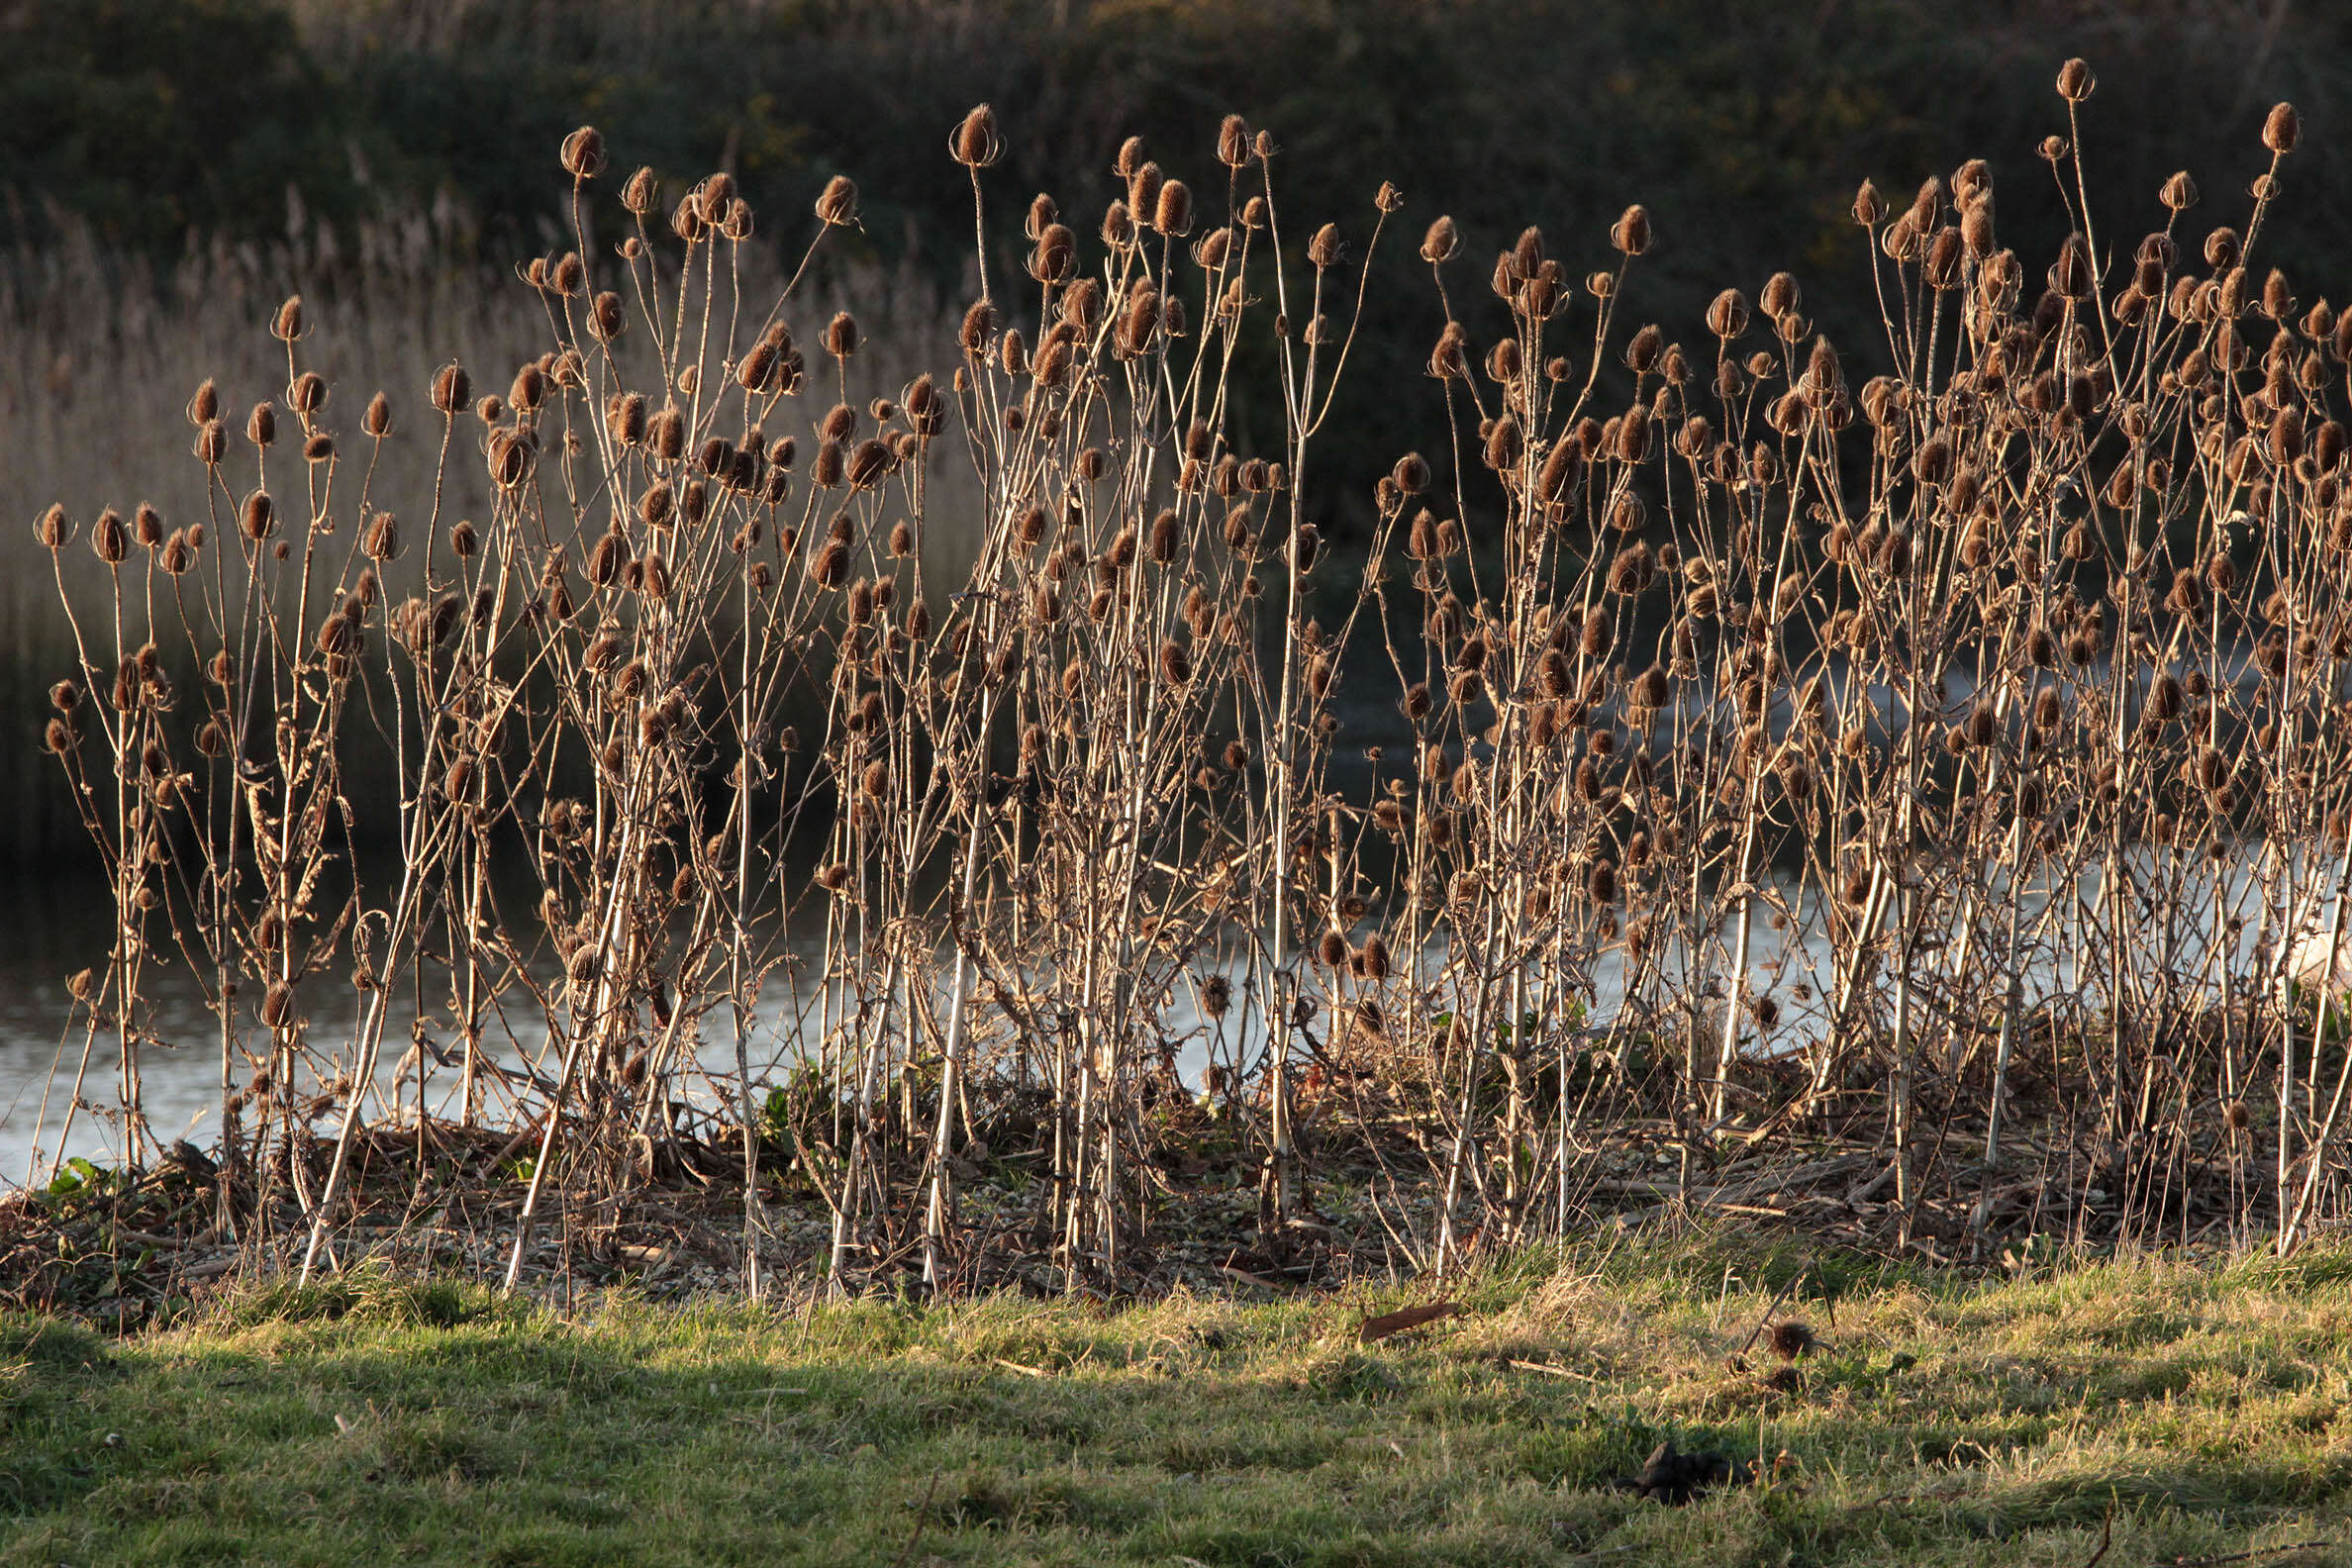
point(1233, 148)
point(976, 141)
point(2076, 81)
point(1630, 233)
point(383, 540)
point(1172, 213)
point(1217, 995)
point(2281, 129)
point(1728, 315)
point(109, 539)
point(583, 153)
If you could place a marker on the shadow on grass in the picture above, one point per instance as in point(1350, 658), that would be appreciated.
point(366, 1419)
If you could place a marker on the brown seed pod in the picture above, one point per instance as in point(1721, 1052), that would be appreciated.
point(583, 153)
point(383, 540)
point(452, 388)
point(110, 540)
point(837, 204)
point(1233, 148)
point(1728, 315)
point(257, 517)
point(1217, 995)
point(1630, 233)
point(2281, 129)
point(1172, 212)
point(976, 143)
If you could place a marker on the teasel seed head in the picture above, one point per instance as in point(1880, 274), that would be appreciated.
point(2178, 193)
point(277, 1003)
point(1172, 212)
point(451, 389)
point(829, 566)
point(837, 204)
point(109, 539)
point(1441, 242)
point(1728, 315)
point(2281, 129)
point(583, 153)
point(306, 394)
point(976, 143)
point(383, 540)
point(1165, 537)
point(1630, 233)
point(286, 326)
point(262, 425)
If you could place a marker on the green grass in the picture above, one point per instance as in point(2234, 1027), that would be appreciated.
point(2175, 1410)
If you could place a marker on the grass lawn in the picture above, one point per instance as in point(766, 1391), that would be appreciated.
point(2161, 1411)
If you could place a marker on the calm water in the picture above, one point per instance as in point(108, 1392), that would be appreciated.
point(48, 930)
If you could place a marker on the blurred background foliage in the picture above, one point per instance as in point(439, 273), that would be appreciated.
point(171, 169)
point(1744, 125)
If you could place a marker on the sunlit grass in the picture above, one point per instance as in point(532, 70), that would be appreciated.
point(2178, 1409)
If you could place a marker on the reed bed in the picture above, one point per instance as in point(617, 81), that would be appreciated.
point(1704, 758)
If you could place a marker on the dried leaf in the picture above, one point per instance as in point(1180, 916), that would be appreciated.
point(1386, 1323)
